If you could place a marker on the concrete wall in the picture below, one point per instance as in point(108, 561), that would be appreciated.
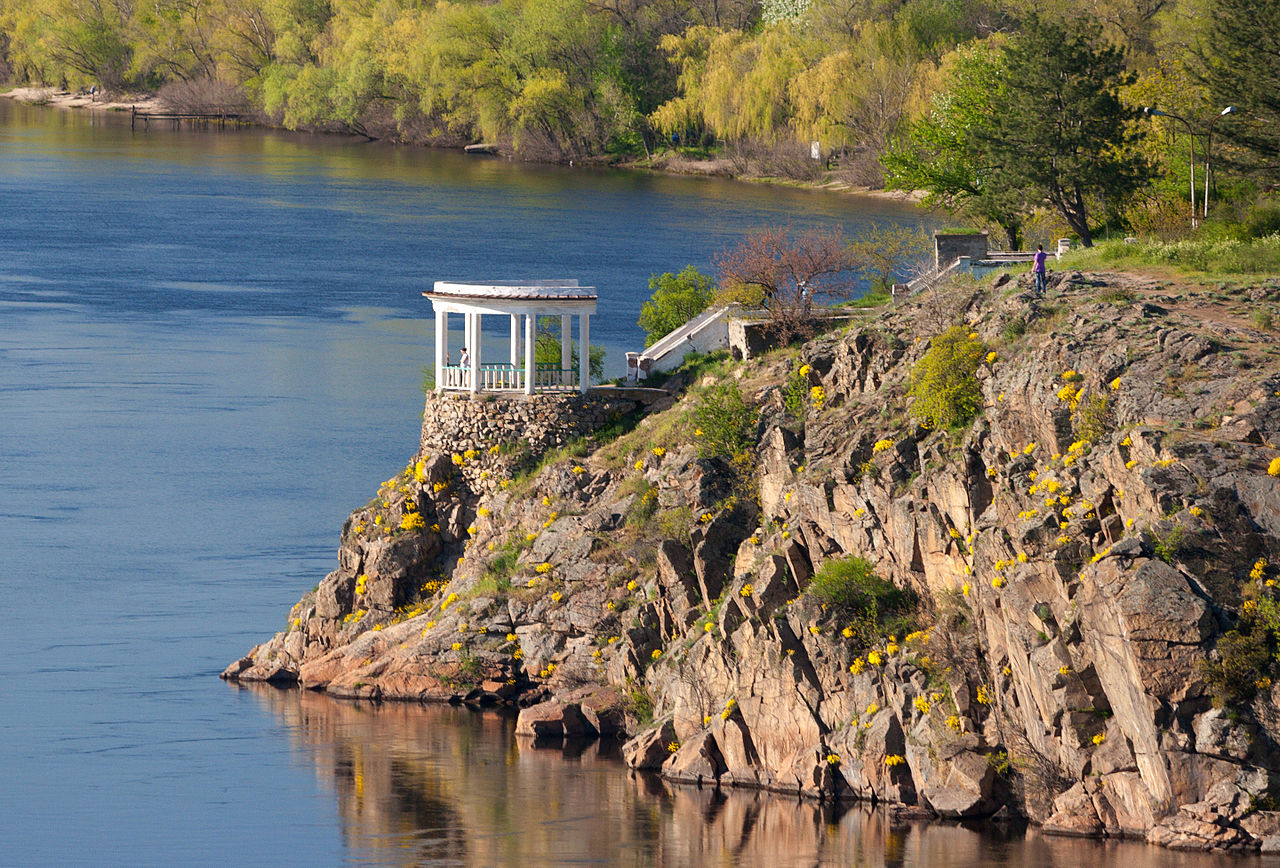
point(948, 248)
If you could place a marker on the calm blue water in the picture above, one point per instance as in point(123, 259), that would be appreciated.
point(210, 351)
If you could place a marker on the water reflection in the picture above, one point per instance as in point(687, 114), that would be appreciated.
point(449, 786)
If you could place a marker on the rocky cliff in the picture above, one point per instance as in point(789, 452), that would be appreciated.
point(1085, 626)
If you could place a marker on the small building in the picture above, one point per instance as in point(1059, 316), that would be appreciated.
point(522, 303)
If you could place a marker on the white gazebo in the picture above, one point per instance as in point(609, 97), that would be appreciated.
point(514, 300)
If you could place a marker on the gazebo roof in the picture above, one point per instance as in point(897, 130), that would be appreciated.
point(525, 290)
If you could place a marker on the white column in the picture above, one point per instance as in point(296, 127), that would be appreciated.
point(466, 331)
point(474, 347)
point(442, 333)
point(529, 374)
point(515, 340)
point(584, 351)
point(566, 344)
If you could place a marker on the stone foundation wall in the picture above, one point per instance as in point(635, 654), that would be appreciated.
point(453, 423)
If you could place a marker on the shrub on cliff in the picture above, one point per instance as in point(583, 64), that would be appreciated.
point(727, 424)
point(943, 382)
point(875, 608)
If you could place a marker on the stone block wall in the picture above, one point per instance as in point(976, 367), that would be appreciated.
point(453, 423)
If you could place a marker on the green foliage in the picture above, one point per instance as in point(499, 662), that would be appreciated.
point(637, 702)
point(547, 349)
point(1263, 219)
point(1093, 418)
point(943, 382)
point(872, 298)
point(675, 523)
point(940, 155)
point(1192, 255)
point(1244, 656)
point(1240, 63)
point(676, 299)
point(873, 607)
point(1015, 328)
point(1062, 131)
point(728, 424)
point(795, 394)
point(1168, 543)
point(642, 509)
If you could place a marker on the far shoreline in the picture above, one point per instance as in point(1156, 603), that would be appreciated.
point(48, 97)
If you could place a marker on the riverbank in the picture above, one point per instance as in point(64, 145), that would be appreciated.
point(670, 163)
point(82, 100)
point(1009, 617)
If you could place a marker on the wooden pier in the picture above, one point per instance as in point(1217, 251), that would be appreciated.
point(203, 119)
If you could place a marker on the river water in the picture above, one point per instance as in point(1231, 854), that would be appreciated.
point(211, 348)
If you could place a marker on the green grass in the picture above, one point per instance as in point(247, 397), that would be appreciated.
point(1207, 256)
point(873, 298)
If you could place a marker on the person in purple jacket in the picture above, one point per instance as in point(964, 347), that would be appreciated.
point(1039, 270)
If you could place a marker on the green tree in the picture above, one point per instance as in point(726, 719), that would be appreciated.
point(940, 154)
point(676, 299)
point(1241, 66)
point(546, 349)
point(1058, 126)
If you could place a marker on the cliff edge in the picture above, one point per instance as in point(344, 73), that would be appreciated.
point(1064, 607)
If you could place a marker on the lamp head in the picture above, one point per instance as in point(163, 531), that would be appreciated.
point(1152, 110)
point(1229, 110)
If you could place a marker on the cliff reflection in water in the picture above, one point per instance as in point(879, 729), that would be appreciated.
point(427, 785)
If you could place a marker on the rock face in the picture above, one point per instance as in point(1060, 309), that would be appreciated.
point(1093, 559)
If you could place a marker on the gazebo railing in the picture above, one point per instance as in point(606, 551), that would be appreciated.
point(508, 378)
point(550, 378)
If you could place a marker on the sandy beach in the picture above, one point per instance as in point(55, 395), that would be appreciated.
point(83, 99)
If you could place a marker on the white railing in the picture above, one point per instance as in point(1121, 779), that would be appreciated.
point(550, 378)
point(507, 378)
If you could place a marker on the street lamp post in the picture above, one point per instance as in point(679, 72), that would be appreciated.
point(1152, 110)
point(1208, 153)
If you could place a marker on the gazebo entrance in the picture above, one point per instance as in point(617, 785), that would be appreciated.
point(522, 303)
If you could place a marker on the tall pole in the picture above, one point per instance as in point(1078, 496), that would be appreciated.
point(1208, 153)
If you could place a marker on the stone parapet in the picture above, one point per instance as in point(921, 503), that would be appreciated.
point(455, 423)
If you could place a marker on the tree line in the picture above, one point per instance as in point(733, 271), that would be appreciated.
point(1008, 117)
